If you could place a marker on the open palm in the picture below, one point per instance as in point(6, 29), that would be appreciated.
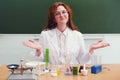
point(32, 44)
point(99, 44)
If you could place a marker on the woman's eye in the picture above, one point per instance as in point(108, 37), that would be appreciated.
point(57, 14)
point(64, 12)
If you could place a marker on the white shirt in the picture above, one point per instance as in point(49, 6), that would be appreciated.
point(64, 47)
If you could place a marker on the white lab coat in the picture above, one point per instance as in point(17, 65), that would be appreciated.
point(75, 47)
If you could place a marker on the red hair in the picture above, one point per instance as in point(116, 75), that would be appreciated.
point(51, 24)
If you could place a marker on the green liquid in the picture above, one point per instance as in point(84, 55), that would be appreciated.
point(75, 70)
point(47, 57)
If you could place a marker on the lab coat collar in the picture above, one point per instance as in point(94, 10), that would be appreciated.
point(65, 33)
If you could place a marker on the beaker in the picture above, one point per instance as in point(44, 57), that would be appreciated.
point(96, 64)
point(96, 59)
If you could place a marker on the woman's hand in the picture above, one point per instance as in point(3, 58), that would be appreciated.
point(33, 44)
point(97, 45)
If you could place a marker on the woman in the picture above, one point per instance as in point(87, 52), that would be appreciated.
point(62, 38)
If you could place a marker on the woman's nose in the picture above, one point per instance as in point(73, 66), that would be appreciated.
point(61, 14)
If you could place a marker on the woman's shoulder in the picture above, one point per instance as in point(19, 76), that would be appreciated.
point(77, 32)
point(48, 32)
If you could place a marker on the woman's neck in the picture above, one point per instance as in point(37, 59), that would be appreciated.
point(62, 27)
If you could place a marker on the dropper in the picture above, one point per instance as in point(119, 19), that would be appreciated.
point(84, 67)
point(84, 71)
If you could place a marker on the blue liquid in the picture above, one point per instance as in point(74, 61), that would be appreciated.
point(96, 69)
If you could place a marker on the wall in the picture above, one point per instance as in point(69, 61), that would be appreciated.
point(12, 50)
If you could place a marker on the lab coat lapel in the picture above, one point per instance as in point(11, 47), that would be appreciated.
point(54, 42)
point(70, 40)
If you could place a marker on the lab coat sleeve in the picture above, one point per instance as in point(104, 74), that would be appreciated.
point(83, 56)
point(42, 43)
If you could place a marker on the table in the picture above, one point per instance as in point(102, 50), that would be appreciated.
point(109, 72)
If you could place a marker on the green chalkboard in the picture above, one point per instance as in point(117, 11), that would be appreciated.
point(30, 16)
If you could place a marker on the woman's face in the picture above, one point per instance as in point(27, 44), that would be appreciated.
point(61, 15)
